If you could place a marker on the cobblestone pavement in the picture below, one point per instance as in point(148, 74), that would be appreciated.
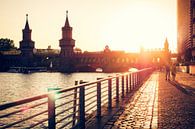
point(186, 79)
point(157, 104)
point(141, 112)
point(176, 109)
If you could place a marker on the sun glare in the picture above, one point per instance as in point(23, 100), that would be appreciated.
point(122, 25)
point(138, 25)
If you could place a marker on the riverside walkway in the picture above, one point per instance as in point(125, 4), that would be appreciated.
point(141, 99)
point(158, 104)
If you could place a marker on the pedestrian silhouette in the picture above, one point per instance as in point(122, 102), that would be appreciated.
point(167, 72)
point(173, 71)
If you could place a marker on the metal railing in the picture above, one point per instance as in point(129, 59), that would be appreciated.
point(70, 107)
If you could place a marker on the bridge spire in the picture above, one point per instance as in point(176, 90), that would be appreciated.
point(67, 21)
point(166, 45)
point(27, 25)
point(67, 43)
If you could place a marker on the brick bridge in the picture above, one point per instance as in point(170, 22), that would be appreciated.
point(118, 61)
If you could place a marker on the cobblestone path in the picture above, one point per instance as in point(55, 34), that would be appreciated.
point(176, 109)
point(141, 111)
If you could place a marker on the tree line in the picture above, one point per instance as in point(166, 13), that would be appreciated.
point(6, 44)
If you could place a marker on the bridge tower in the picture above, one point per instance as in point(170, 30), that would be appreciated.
point(166, 52)
point(27, 46)
point(66, 44)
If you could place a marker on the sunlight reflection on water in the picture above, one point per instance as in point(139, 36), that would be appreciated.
point(16, 86)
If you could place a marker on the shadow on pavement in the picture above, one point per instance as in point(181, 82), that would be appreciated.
point(184, 88)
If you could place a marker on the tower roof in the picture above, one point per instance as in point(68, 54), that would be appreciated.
point(27, 25)
point(166, 45)
point(67, 22)
point(166, 41)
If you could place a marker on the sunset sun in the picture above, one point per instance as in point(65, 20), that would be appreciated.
point(140, 25)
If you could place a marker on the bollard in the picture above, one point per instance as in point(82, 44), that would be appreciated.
point(51, 111)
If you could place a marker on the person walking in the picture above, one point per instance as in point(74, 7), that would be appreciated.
point(167, 72)
point(173, 72)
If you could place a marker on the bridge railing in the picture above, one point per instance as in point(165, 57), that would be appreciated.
point(70, 107)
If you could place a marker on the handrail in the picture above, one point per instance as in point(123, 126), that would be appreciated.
point(22, 101)
point(30, 99)
point(117, 85)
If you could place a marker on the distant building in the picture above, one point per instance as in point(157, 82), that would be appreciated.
point(71, 59)
point(67, 44)
point(186, 30)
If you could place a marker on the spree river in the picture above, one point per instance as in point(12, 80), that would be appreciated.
point(15, 86)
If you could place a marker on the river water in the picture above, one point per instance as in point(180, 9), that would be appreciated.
point(15, 86)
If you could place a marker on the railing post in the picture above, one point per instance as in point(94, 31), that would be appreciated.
point(133, 77)
point(127, 83)
point(123, 86)
point(82, 107)
point(110, 93)
point(74, 104)
point(51, 111)
point(117, 89)
point(98, 99)
point(130, 82)
point(136, 79)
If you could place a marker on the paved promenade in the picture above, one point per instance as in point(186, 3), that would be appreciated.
point(157, 104)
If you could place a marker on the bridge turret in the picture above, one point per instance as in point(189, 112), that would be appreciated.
point(166, 45)
point(166, 52)
point(27, 45)
point(67, 43)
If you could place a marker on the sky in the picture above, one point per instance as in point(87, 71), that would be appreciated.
point(120, 24)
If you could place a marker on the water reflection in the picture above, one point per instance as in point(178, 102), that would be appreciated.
point(18, 86)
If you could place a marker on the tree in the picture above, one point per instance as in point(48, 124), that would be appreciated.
point(6, 44)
